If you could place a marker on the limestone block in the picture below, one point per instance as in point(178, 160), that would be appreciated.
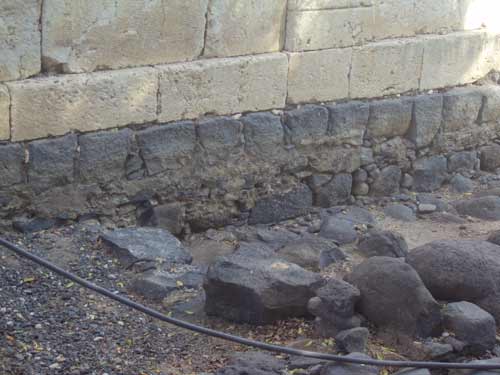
point(327, 4)
point(4, 113)
point(386, 68)
point(456, 59)
point(319, 75)
point(223, 86)
point(84, 102)
point(244, 27)
point(82, 36)
point(19, 39)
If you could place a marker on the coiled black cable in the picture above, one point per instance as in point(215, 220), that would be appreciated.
point(237, 339)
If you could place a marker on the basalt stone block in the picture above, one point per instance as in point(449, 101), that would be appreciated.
point(427, 118)
point(461, 108)
point(490, 158)
point(307, 125)
point(220, 137)
point(430, 173)
point(11, 165)
point(462, 162)
point(491, 104)
point(168, 147)
point(52, 162)
point(348, 122)
point(388, 182)
point(334, 191)
point(103, 155)
point(264, 135)
point(390, 118)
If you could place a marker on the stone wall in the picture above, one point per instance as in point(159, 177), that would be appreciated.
point(120, 106)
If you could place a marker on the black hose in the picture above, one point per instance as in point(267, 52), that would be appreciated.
point(237, 339)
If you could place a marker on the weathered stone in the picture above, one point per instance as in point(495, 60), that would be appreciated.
point(255, 363)
point(11, 165)
point(454, 59)
point(306, 125)
point(19, 39)
point(461, 108)
point(471, 325)
point(383, 243)
point(132, 245)
point(34, 225)
point(490, 158)
point(407, 181)
point(4, 112)
point(52, 162)
point(223, 86)
point(462, 162)
point(366, 155)
point(492, 361)
point(258, 290)
point(333, 307)
point(430, 173)
point(394, 297)
point(219, 138)
point(282, 206)
point(167, 216)
point(360, 176)
point(82, 102)
point(461, 184)
point(400, 212)
point(486, 208)
point(387, 183)
point(353, 214)
point(338, 229)
point(360, 189)
point(385, 68)
point(440, 204)
point(460, 271)
point(264, 136)
point(426, 208)
point(389, 118)
point(349, 368)
point(83, 37)
point(334, 192)
point(168, 147)
point(427, 118)
point(247, 28)
point(394, 151)
point(353, 340)
point(318, 75)
point(491, 104)
point(422, 371)
point(103, 155)
point(348, 122)
point(494, 238)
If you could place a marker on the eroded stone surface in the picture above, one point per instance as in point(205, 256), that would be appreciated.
point(4, 113)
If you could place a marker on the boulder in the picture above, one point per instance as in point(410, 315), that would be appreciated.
point(333, 307)
point(461, 271)
point(494, 237)
point(490, 158)
point(353, 340)
point(387, 183)
point(461, 184)
point(337, 368)
point(336, 190)
point(132, 245)
point(486, 208)
point(383, 243)
point(340, 230)
point(166, 216)
point(254, 363)
point(258, 290)
point(491, 361)
point(400, 212)
point(394, 297)
point(471, 325)
point(430, 173)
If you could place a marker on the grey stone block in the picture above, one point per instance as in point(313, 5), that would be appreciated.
point(490, 158)
point(462, 162)
point(220, 135)
point(264, 135)
point(461, 108)
point(491, 104)
point(430, 173)
point(307, 125)
point(427, 118)
point(168, 147)
point(390, 118)
point(11, 165)
point(348, 122)
point(334, 192)
point(52, 162)
point(388, 182)
point(103, 155)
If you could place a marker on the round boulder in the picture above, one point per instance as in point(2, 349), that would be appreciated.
point(383, 243)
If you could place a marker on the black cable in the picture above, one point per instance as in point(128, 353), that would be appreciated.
point(237, 339)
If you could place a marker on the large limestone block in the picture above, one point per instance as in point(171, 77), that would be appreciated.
point(19, 39)
point(84, 102)
point(4, 113)
point(456, 59)
point(326, 4)
point(82, 36)
point(244, 27)
point(223, 86)
point(386, 68)
point(319, 75)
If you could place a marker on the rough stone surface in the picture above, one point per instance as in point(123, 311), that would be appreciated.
point(264, 136)
point(472, 325)
point(82, 102)
point(490, 158)
point(244, 28)
point(427, 118)
point(19, 39)
point(338, 229)
point(318, 75)
point(383, 243)
point(167, 148)
point(385, 68)
point(460, 271)
point(486, 208)
point(491, 361)
point(11, 165)
point(388, 182)
point(400, 212)
point(306, 125)
point(334, 192)
point(394, 297)
point(103, 155)
point(389, 118)
point(462, 162)
point(254, 363)
point(461, 108)
point(461, 184)
point(254, 290)
point(333, 306)
point(52, 162)
point(4, 113)
point(491, 104)
point(430, 173)
point(350, 369)
point(88, 36)
point(131, 245)
point(494, 238)
point(422, 371)
point(283, 206)
point(353, 340)
point(223, 86)
point(166, 216)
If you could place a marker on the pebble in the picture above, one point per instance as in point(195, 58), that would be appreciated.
point(426, 208)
